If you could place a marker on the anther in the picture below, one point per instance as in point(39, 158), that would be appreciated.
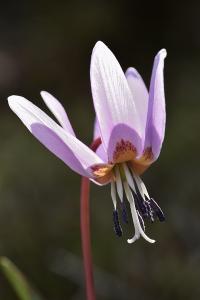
point(149, 209)
point(124, 213)
point(158, 211)
point(141, 205)
point(117, 226)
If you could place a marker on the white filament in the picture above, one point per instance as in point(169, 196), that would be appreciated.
point(113, 194)
point(139, 185)
point(119, 184)
point(129, 177)
point(138, 229)
point(144, 189)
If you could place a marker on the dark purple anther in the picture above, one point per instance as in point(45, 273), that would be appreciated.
point(149, 209)
point(158, 211)
point(124, 213)
point(117, 227)
point(140, 204)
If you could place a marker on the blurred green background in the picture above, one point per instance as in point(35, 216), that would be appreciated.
point(46, 45)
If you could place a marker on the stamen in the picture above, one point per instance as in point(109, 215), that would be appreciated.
point(145, 205)
point(150, 211)
point(144, 189)
point(141, 220)
point(140, 204)
point(158, 211)
point(138, 228)
point(129, 177)
point(141, 186)
point(124, 213)
point(113, 194)
point(137, 192)
point(117, 226)
point(119, 183)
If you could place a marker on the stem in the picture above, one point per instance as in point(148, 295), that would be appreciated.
point(85, 231)
point(85, 235)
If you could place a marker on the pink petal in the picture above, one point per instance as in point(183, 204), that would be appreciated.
point(64, 145)
point(156, 119)
point(100, 150)
point(58, 111)
point(96, 132)
point(140, 95)
point(113, 101)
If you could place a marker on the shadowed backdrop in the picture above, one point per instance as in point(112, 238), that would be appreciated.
point(47, 46)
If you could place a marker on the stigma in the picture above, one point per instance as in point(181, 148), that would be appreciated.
point(142, 207)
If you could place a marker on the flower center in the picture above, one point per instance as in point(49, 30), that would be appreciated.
point(141, 205)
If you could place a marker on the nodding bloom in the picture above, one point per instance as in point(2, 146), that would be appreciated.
point(130, 125)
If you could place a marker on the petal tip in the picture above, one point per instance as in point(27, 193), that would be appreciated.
point(10, 98)
point(162, 53)
point(132, 72)
point(13, 99)
point(99, 44)
point(100, 48)
point(44, 94)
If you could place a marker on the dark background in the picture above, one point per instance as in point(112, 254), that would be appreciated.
point(46, 45)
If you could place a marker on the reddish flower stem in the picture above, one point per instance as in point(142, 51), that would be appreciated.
point(85, 231)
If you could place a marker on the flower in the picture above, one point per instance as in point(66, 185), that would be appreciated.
point(130, 123)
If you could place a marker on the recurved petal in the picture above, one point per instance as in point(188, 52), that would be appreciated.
point(63, 144)
point(100, 150)
point(57, 110)
point(140, 95)
point(113, 101)
point(96, 131)
point(156, 119)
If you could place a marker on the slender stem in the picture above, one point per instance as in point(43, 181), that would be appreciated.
point(85, 231)
point(85, 235)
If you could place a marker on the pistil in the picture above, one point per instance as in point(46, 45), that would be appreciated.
point(138, 229)
point(141, 205)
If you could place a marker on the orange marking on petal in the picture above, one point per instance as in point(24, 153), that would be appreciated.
point(103, 172)
point(148, 155)
point(142, 164)
point(124, 151)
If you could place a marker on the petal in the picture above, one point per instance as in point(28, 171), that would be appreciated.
point(156, 119)
point(96, 133)
point(100, 150)
point(140, 95)
point(64, 145)
point(113, 100)
point(58, 111)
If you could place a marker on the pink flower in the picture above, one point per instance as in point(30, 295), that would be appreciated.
point(130, 121)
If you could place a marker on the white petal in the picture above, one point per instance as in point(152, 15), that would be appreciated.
point(140, 95)
point(58, 111)
point(100, 150)
point(113, 101)
point(156, 119)
point(63, 144)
